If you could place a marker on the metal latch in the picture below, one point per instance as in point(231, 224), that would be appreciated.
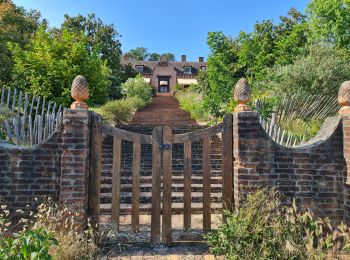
point(165, 146)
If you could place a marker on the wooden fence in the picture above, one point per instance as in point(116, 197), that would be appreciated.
point(26, 119)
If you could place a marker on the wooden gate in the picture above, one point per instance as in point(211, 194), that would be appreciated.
point(162, 140)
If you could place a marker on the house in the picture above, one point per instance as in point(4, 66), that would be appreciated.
point(164, 75)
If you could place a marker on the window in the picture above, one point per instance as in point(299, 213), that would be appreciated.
point(203, 68)
point(188, 70)
point(139, 68)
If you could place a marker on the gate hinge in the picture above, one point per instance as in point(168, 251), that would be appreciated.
point(165, 146)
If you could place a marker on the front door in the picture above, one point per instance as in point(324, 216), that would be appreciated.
point(163, 84)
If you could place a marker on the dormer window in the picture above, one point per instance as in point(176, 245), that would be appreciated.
point(139, 69)
point(203, 68)
point(187, 70)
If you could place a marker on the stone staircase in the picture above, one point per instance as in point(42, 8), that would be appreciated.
point(164, 110)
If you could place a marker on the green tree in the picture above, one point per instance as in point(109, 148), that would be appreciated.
point(330, 21)
point(139, 53)
point(170, 56)
point(52, 60)
point(154, 56)
point(16, 26)
point(320, 71)
point(105, 38)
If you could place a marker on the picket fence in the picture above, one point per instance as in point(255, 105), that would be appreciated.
point(27, 119)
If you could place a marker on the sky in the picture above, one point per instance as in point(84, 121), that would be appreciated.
point(161, 26)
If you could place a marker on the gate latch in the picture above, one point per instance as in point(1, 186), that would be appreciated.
point(164, 146)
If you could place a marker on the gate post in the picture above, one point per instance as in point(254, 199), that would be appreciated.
point(246, 142)
point(344, 112)
point(75, 157)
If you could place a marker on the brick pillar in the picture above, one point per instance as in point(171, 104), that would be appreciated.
point(344, 112)
point(247, 143)
point(75, 160)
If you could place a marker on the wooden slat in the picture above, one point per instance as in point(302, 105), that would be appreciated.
point(2, 99)
point(19, 105)
point(14, 101)
point(206, 184)
point(116, 169)
point(136, 161)
point(8, 100)
point(156, 175)
point(187, 184)
point(227, 162)
point(95, 169)
point(167, 183)
point(126, 135)
point(197, 135)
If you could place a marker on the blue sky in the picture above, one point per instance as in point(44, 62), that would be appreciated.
point(179, 27)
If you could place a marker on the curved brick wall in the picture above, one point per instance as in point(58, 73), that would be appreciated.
point(313, 173)
point(30, 172)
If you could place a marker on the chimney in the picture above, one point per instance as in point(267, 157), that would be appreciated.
point(183, 58)
point(200, 59)
point(125, 57)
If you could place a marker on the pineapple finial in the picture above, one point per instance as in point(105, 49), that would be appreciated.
point(79, 92)
point(242, 94)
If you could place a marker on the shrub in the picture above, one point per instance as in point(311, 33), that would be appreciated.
point(121, 111)
point(264, 229)
point(193, 102)
point(137, 87)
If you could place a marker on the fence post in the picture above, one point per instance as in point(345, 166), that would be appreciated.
point(75, 160)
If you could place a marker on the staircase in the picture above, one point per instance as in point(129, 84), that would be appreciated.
point(164, 110)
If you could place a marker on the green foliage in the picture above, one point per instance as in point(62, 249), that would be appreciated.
point(121, 111)
point(250, 55)
point(51, 62)
point(28, 244)
point(192, 102)
point(142, 54)
point(264, 229)
point(330, 21)
point(16, 26)
point(137, 87)
point(105, 39)
point(320, 71)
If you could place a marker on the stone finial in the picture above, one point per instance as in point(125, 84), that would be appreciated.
point(344, 98)
point(79, 92)
point(242, 94)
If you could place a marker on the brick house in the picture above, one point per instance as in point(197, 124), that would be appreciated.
point(163, 75)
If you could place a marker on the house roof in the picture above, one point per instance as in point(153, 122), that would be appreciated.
point(150, 65)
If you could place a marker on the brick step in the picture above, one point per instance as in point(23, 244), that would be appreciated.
point(125, 209)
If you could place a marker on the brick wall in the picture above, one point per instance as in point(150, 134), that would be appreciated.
point(30, 172)
point(313, 173)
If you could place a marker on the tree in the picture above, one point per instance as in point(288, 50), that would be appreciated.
point(320, 71)
point(105, 38)
point(330, 21)
point(16, 26)
point(251, 55)
point(170, 56)
point(139, 53)
point(154, 56)
point(51, 62)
